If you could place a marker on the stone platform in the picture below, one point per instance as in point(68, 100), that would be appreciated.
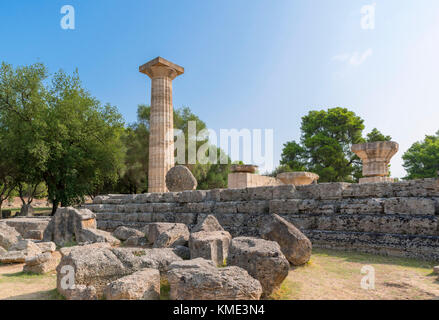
point(398, 219)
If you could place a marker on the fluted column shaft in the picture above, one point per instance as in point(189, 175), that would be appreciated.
point(161, 141)
point(161, 138)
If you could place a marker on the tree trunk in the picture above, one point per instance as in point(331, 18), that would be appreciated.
point(54, 207)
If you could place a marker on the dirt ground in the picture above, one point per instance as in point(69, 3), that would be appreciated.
point(330, 275)
point(336, 275)
point(16, 285)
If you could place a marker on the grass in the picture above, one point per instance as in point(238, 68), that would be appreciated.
point(165, 288)
point(39, 211)
point(332, 274)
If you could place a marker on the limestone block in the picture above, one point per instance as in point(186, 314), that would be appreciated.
point(141, 285)
point(200, 279)
point(420, 206)
point(262, 259)
point(294, 244)
point(210, 245)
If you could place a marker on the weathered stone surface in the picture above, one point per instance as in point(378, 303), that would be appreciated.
point(436, 270)
point(209, 224)
point(34, 234)
point(99, 245)
point(42, 263)
point(87, 235)
point(178, 235)
point(420, 206)
point(96, 266)
point(13, 257)
point(8, 236)
point(80, 292)
point(182, 251)
point(154, 230)
point(210, 245)
point(29, 228)
point(376, 157)
point(298, 178)
point(2, 251)
point(46, 246)
point(67, 223)
point(180, 178)
point(28, 247)
point(406, 208)
point(262, 259)
point(294, 244)
point(199, 279)
point(136, 241)
point(123, 233)
point(161, 139)
point(141, 285)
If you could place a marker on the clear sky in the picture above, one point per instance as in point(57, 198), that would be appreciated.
point(248, 64)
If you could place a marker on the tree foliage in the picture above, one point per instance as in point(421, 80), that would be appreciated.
point(325, 145)
point(134, 179)
point(375, 135)
point(57, 133)
point(422, 159)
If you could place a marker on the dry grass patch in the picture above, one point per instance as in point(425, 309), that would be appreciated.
point(336, 275)
point(17, 285)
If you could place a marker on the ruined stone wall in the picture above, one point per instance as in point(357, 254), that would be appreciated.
point(399, 219)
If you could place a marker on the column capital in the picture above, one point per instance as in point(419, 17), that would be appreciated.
point(160, 67)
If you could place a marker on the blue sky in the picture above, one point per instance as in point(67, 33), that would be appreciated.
point(248, 64)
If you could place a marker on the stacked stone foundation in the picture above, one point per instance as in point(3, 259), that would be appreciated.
point(396, 219)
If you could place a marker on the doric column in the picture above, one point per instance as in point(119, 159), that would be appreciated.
point(161, 138)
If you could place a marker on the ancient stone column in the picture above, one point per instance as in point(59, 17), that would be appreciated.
point(161, 139)
point(376, 158)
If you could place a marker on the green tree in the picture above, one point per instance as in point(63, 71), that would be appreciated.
point(22, 125)
point(375, 135)
point(134, 178)
point(422, 159)
point(84, 139)
point(326, 139)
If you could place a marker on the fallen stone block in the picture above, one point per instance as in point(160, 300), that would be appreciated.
point(180, 178)
point(80, 292)
point(183, 252)
point(67, 223)
point(87, 235)
point(13, 257)
point(154, 230)
point(210, 245)
point(262, 259)
point(46, 246)
point(296, 247)
point(29, 228)
point(141, 285)
point(42, 263)
point(209, 224)
point(123, 233)
point(28, 247)
point(97, 266)
point(135, 241)
point(34, 234)
point(8, 236)
point(178, 235)
point(200, 279)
